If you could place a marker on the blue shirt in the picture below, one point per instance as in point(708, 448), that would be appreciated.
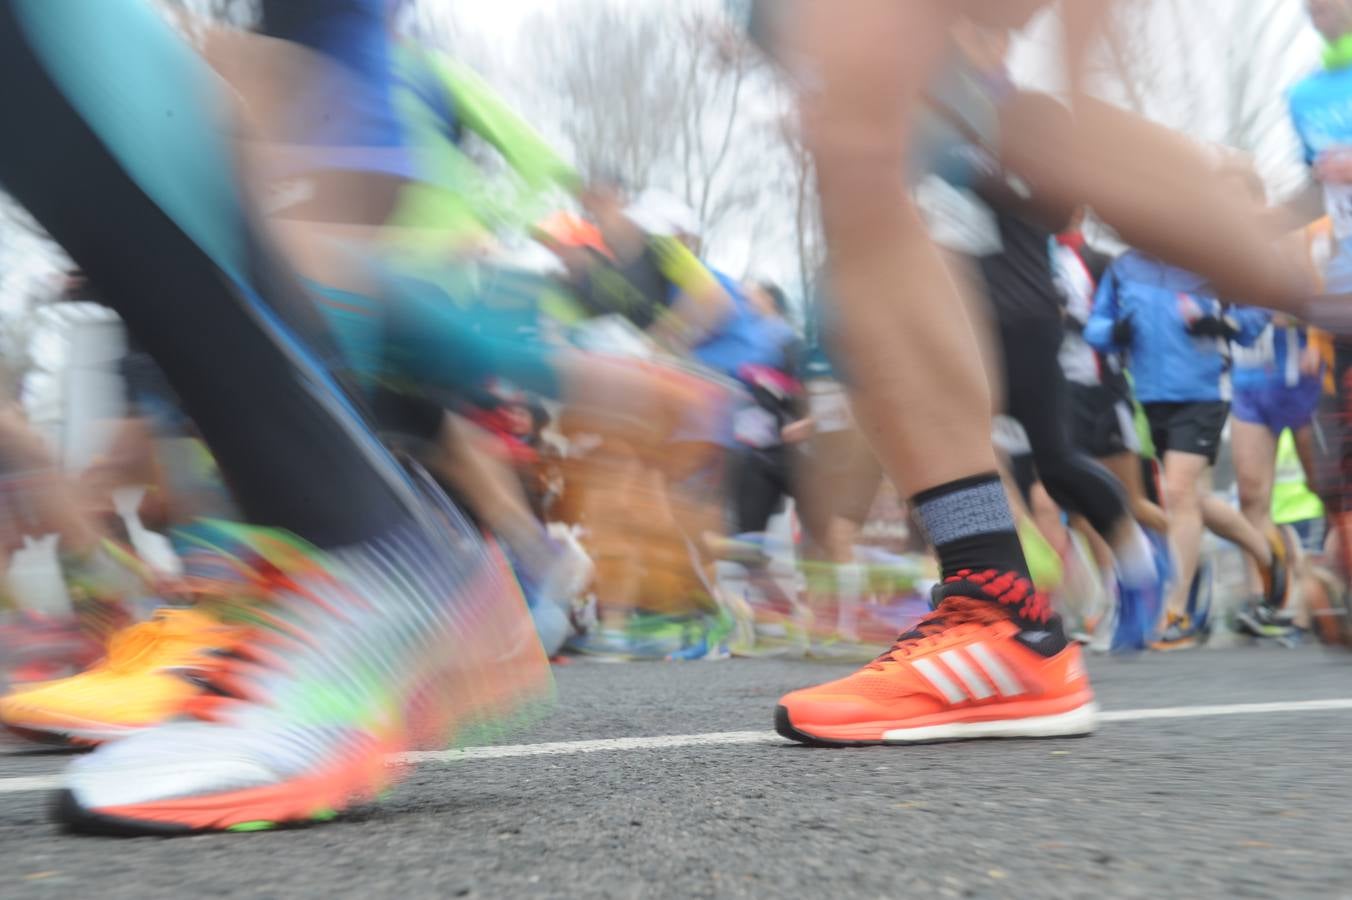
point(1273, 361)
point(1168, 364)
point(1321, 110)
point(744, 337)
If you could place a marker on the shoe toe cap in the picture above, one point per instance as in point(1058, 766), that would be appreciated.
point(815, 707)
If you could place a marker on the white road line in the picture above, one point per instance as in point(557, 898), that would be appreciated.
point(1233, 709)
point(736, 738)
point(28, 785)
point(717, 739)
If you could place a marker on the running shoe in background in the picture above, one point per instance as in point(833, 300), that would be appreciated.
point(141, 683)
point(1277, 576)
point(418, 639)
point(1261, 621)
point(1180, 633)
point(1140, 607)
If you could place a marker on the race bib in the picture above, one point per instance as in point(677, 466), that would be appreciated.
point(756, 427)
point(829, 407)
point(1008, 435)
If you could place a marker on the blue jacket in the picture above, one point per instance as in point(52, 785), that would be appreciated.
point(743, 338)
point(1167, 364)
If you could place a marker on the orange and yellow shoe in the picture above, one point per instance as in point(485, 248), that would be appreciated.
point(966, 671)
point(1179, 634)
point(139, 684)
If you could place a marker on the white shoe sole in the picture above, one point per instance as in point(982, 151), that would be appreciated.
point(1077, 722)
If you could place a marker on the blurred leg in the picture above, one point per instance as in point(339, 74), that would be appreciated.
point(1254, 449)
point(911, 350)
point(1126, 467)
point(1225, 521)
point(1307, 448)
point(1184, 478)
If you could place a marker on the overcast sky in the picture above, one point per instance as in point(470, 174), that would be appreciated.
point(501, 18)
point(496, 23)
point(1287, 45)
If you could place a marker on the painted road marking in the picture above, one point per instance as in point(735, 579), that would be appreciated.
point(28, 785)
point(741, 738)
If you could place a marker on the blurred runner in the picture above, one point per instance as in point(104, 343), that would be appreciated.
point(374, 572)
point(1177, 336)
point(1102, 403)
point(763, 475)
point(863, 80)
point(1321, 110)
point(1278, 384)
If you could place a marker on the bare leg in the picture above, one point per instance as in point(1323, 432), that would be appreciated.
point(1046, 516)
point(1126, 467)
point(1103, 553)
point(606, 495)
point(894, 291)
point(1255, 454)
point(1185, 475)
point(1308, 451)
point(1224, 520)
point(59, 507)
point(463, 458)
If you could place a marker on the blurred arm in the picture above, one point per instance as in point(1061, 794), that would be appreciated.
point(702, 303)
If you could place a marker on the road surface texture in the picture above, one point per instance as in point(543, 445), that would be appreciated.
point(1222, 773)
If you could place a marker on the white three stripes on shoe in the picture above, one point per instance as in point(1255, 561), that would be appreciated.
point(975, 684)
point(969, 664)
point(936, 677)
point(1005, 682)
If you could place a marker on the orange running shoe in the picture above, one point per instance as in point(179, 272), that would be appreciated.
point(139, 684)
point(968, 670)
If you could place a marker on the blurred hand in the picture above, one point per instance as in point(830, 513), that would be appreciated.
point(797, 432)
point(1334, 166)
point(1124, 330)
point(1222, 327)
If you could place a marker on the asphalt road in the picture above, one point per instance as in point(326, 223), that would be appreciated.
point(1256, 804)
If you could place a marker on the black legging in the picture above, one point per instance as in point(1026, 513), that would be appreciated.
point(1037, 398)
point(760, 481)
point(232, 329)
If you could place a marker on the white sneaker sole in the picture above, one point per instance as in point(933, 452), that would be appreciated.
point(1077, 722)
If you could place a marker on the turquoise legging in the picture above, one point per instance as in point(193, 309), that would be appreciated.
point(114, 146)
point(418, 334)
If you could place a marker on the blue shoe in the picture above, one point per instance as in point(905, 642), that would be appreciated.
point(559, 580)
point(645, 637)
point(603, 645)
point(702, 650)
point(1140, 607)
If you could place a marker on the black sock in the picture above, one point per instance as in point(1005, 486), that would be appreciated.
point(971, 527)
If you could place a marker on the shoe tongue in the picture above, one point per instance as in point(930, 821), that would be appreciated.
point(951, 610)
